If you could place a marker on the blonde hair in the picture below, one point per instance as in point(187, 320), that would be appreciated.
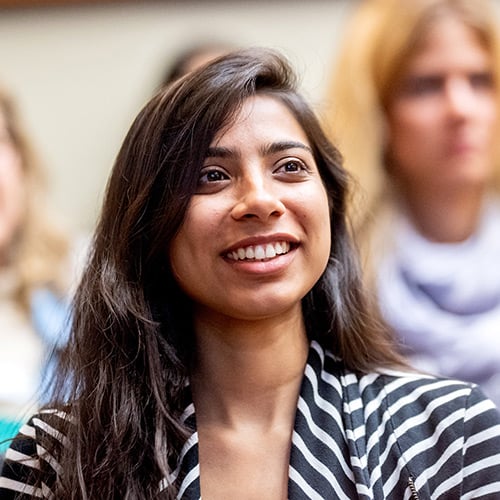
point(379, 40)
point(39, 247)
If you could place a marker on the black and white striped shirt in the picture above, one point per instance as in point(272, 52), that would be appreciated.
point(381, 436)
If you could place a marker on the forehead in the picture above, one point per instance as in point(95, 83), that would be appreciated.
point(448, 40)
point(262, 116)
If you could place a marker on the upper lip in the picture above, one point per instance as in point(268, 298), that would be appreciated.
point(261, 240)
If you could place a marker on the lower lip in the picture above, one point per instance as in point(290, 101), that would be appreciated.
point(263, 267)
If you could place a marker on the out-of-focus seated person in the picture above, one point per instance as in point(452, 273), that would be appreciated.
point(193, 57)
point(414, 108)
point(35, 273)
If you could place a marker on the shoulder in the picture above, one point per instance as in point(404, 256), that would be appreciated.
point(31, 465)
point(433, 408)
point(447, 431)
point(426, 404)
point(406, 393)
point(443, 433)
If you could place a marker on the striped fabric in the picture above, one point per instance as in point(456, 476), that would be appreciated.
point(382, 436)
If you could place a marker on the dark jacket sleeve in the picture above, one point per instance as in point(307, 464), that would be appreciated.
point(481, 468)
point(23, 471)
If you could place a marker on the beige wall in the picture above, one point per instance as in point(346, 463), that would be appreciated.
point(80, 74)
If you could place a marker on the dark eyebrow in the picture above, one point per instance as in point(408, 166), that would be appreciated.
point(277, 147)
point(221, 152)
point(274, 147)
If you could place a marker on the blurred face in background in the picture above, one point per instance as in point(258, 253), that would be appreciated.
point(201, 58)
point(442, 117)
point(11, 189)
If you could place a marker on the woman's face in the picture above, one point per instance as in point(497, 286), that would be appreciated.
point(11, 189)
point(442, 118)
point(256, 237)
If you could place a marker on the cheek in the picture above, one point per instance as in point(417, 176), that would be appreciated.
point(490, 118)
point(12, 182)
point(318, 216)
point(411, 135)
point(185, 266)
point(408, 123)
point(12, 201)
point(190, 249)
point(175, 256)
point(180, 252)
point(415, 116)
point(326, 235)
point(9, 159)
point(321, 246)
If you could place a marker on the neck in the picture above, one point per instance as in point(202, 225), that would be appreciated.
point(446, 217)
point(249, 371)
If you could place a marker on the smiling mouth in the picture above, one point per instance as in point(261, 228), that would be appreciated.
point(259, 252)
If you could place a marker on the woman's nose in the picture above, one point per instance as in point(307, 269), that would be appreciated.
point(259, 199)
point(460, 97)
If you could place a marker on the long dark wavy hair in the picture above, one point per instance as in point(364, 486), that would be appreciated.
point(128, 360)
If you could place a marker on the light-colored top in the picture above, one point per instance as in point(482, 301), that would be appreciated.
point(28, 346)
point(443, 300)
point(21, 354)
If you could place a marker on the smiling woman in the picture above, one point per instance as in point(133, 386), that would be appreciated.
point(222, 343)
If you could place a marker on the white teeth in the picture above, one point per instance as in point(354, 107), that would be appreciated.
point(270, 253)
point(260, 252)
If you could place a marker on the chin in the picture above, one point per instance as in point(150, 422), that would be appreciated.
point(468, 180)
point(265, 309)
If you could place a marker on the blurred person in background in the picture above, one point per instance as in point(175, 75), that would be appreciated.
point(414, 107)
point(35, 274)
point(193, 57)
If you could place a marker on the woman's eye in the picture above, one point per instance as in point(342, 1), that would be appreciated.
point(292, 166)
point(422, 85)
point(212, 175)
point(482, 80)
